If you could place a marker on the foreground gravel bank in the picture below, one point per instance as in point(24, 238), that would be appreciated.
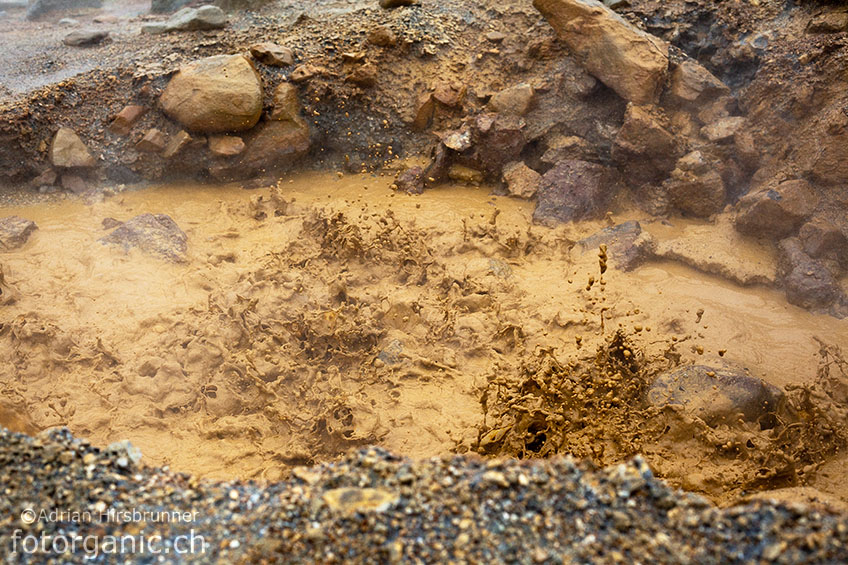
point(60, 494)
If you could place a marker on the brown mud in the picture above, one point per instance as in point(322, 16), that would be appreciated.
point(328, 312)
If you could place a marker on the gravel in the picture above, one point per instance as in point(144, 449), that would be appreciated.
point(377, 507)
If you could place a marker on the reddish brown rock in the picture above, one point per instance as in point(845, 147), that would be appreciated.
point(807, 282)
point(364, 76)
point(411, 180)
point(154, 141)
point(74, 183)
point(573, 190)
point(777, 212)
point(691, 84)
point(225, 145)
point(177, 143)
point(644, 146)
point(305, 72)
point(382, 36)
point(425, 107)
point(521, 180)
point(286, 103)
point(498, 140)
point(515, 100)
point(451, 94)
point(695, 186)
point(126, 119)
point(822, 239)
point(277, 144)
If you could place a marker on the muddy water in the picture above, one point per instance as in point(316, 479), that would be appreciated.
point(331, 312)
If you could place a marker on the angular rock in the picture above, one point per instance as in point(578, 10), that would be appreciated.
point(723, 129)
point(778, 212)
point(451, 94)
point(695, 186)
point(693, 85)
point(828, 22)
point(807, 282)
point(718, 395)
point(126, 119)
point(153, 234)
point(458, 140)
point(396, 3)
point(627, 246)
point(154, 141)
point(573, 190)
point(225, 145)
point(14, 233)
point(68, 150)
point(364, 76)
point(521, 180)
point(197, 19)
point(562, 147)
point(215, 95)
point(424, 109)
point(272, 54)
point(74, 183)
point(350, 501)
point(46, 178)
point(411, 180)
point(498, 139)
point(644, 146)
point(631, 62)
point(277, 144)
point(515, 100)
point(82, 38)
point(822, 239)
point(286, 103)
point(177, 143)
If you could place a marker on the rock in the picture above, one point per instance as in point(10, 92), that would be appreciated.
point(458, 140)
point(828, 22)
point(46, 178)
point(515, 100)
point(573, 190)
point(723, 129)
point(644, 146)
point(277, 144)
point(69, 22)
point(153, 234)
point(364, 76)
point(225, 145)
point(68, 150)
point(495, 36)
point(126, 119)
point(718, 395)
point(286, 103)
point(74, 183)
point(521, 180)
point(822, 239)
point(167, 6)
point(154, 141)
point(350, 501)
point(498, 139)
point(197, 19)
point(777, 212)
point(81, 38)
point(304, 72)
point(411, 180)
point(39, 8)
point(562, 147)
point(177, 143)
point(631, 62)
point(695, 186)
point(465, 175)
point(746, 151)
point(213, 95)
point(395, 3)
point(451, 94)
point(807, 282)
point(693, 85)
point(14, 232)
point(382, 36)
point(425, 107)
point(627, 246)
point(272, 54)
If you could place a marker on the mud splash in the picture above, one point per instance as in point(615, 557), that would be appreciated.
point(327, 312)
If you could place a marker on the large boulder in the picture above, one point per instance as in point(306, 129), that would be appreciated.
point(808, 282)
point(631, 62)
point(573, 190)
point(153, 234)
point(717, 395)
point(40, 8)
point(695, 187)
point(215, 95)
point(68, 151)
point(776, 212)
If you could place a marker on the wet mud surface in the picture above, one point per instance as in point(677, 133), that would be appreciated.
point(329, 312)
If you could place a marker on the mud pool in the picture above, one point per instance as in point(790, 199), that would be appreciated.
point(329, 312)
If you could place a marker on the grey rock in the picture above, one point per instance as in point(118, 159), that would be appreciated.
point(190, 19)
point(82, 38)
point(573, 190)
point(154, 234)
point(717, 395)
point(41, 8)
point(628, 246)
point(14, 232)
point(808, 282)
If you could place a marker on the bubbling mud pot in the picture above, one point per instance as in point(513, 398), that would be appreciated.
point(328, 312)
